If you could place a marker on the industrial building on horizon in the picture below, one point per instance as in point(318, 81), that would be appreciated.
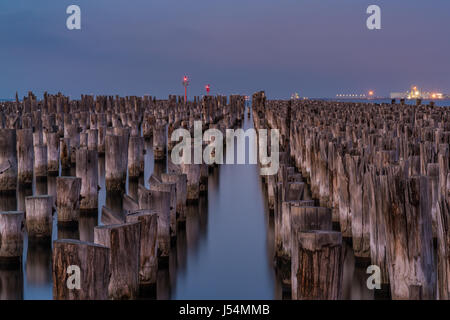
point(415, 93)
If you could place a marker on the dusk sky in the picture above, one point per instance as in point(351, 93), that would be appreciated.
point(318, 48)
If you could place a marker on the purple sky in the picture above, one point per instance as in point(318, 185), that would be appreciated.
point(317, 48)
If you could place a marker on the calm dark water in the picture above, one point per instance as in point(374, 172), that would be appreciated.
point(231, 258)
point(225, 250)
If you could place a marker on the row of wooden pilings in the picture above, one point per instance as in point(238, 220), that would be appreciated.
point(378, 171)
point(55, 136)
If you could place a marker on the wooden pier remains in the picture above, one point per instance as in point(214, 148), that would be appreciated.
point(381, 170)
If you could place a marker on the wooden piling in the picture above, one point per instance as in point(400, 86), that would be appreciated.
point(68, 200)
point(40, 161)
point(11, 235)
point(87, 171)
point(181, 190)
point(171, 188)
point(159, 143)
point(320, 257)
point(53, 153)
point(160, 202)
point(115, 166)
point(39, 217)
point(136, 157)
point(8, 160)
point(64, 153)
point(124, 243)
point(148, 248)
point(25, 155)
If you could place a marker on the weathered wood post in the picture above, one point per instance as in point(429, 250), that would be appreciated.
point(64, 153)
point(8, 160)
point(11, 235)
point(53, 153)
point(90, 260)
point(181, 183)
point(320, 255)
point(92, 140)
point(87, 171)
point(25, 155)
point(115, 168)
point(101, 140)
point(135, 157)
point(160, 202)
point(171, 188)
point(433, 185)
point(68, 200)
point(159, 143)
point(39, 217)
point(377, 205)
point(345, 218)
point(409, 240)
point(192, 172)
point(71, 131)
point(148, 254)
point(124, 243)
point(303, 218)
point(40, 161)
point(443, 237)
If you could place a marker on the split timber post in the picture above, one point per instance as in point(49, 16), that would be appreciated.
point(160, 202)
point(171, 188)
point(320, 255)
point(148, 249)
point(124, 243)
point(87, 171)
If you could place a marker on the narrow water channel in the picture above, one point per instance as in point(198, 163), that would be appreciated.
point(231, 258)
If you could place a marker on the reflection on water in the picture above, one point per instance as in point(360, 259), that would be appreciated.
point(38, 264)
point(224, 250)
point(227, 251)
point(8, 202)
point(11, 283)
